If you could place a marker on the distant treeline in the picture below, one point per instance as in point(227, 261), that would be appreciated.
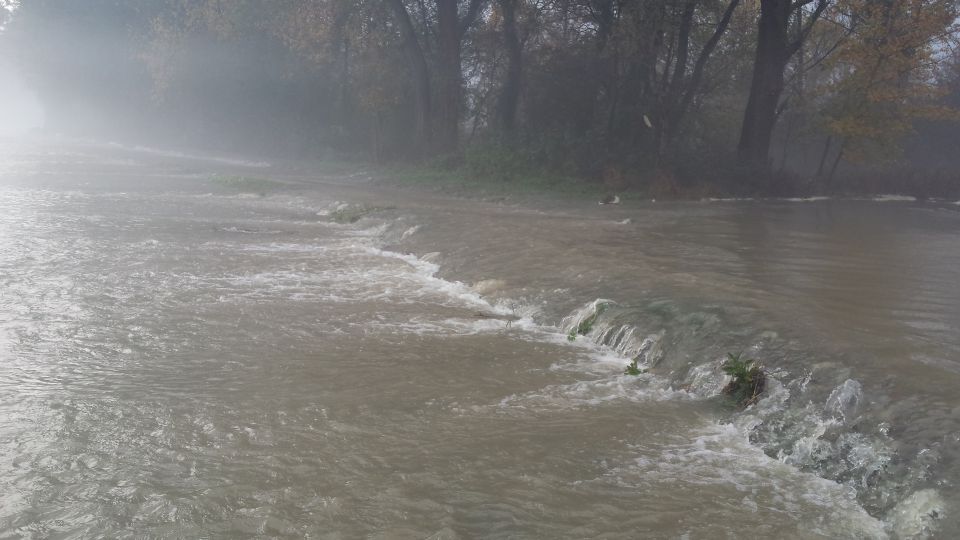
point(628, 92)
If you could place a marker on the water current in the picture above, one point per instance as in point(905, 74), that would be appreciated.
point(187, 353)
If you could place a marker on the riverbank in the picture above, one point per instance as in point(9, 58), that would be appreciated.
point(528, 188)
point(459, 179)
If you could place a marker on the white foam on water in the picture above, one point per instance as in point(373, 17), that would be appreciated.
point(591, 310)
point(426, 271)
point(424, 326)
point(894, 198)
point(712, 454)
point(807, 199)
point(706, 379)
point(487, 286)
point(285, 247)
point(621, 388)
point(409, 232)
point(918, 515)
point(242, 230)
point(721, 455)
point(845, 400)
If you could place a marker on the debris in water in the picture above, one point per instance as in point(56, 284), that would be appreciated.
point(610, 199)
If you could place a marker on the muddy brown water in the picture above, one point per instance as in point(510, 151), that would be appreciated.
point(185, 356)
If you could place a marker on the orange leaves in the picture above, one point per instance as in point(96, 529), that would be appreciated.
point(885, 74)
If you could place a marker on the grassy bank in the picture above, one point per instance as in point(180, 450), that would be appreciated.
point(458, 181)
point(459, 178)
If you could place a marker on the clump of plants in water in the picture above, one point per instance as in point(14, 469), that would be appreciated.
point(634, 369)
point(585, 325)
point(748, 380)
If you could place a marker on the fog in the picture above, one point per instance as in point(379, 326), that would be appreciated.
point(20, 111)
point(308, 80)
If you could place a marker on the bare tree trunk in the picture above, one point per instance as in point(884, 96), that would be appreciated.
point(767, 83)
point(787, 137)
point(663, 130)
point(774, 49)
point(836, 161)
point(421, 75)
point(823, 155)
point(510, 92)
point(450, 75)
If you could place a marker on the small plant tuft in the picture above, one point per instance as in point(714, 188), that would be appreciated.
point(634, 369)
point(749, 380)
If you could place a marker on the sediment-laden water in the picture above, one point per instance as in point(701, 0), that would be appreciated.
point(186, 353)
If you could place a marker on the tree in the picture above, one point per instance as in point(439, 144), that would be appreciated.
point(886, 75)
point(776, 44)
point(417, 64)
point(510, 91)
point(683, 87)
point(451, 28)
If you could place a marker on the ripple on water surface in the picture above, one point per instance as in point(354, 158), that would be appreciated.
point(181, 364)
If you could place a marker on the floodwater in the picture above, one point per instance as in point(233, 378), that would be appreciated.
point(188, 354)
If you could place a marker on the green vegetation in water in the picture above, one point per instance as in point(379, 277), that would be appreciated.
point(245, 184)
point(586, 325)
point(353, 214)
point(749, 380)
point(634, 369)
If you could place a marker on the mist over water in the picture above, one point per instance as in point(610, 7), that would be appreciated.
point(185, 355)
point(20, 111)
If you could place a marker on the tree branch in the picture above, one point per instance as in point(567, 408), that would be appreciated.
point(805, 31)
point(473, 10)
point(708, 48)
